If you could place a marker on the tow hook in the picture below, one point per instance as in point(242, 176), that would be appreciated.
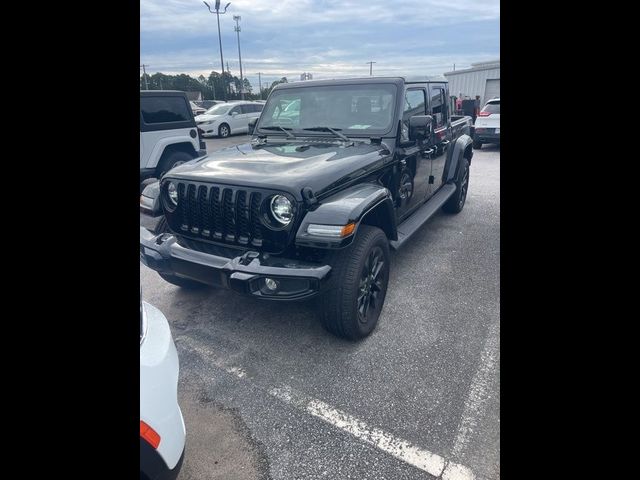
point(248, 257)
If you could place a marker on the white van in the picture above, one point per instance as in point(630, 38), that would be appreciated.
point(228, 118)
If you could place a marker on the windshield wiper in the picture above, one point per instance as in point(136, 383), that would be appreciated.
point(278, 127)
point(329, 129)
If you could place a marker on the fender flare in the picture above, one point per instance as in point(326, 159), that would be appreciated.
point(162, 144)
point(348, 206)
point(455, 155)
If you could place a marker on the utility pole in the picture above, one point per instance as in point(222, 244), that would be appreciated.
point(217, 10)
point(144, 75)
point(260, 85)
point(237, 18)
point(370, 67)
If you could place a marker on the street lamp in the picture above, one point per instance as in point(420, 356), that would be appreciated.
point(237, 29)
point(370, 67)
point(217, 10)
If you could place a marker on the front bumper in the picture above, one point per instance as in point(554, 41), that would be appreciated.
point(211, 129)
point(159, 371)
point(244, 274)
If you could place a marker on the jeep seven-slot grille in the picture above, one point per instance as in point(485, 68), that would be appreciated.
point(219, 213)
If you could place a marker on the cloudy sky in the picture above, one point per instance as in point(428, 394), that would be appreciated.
point(329, 38)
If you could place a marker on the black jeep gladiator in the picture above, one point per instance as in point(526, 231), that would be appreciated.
point(337, 173)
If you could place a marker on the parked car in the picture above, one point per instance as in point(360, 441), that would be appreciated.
point(162, 430)
point(313, 205)
point(196, 109)
point(207, 104)
point(228, 118)
point(168, 132)
point(487, 125)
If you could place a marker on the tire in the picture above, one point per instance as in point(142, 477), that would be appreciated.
point(224, 131)
point(172, 160)
point(477, 144)
point(455, 204)
point(353, 269)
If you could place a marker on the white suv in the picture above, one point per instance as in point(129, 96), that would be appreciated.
point(162, 431)
point(168, 133)
point(225, 119)
point(487, 126)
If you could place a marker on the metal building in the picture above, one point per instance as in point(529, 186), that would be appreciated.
point(481, 79)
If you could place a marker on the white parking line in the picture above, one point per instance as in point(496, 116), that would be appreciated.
point(478, 392)
point(403, 450)
point(420, 458)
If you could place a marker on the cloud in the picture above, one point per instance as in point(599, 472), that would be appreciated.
point(329, 38)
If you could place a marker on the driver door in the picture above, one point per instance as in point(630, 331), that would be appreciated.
point(415, 166)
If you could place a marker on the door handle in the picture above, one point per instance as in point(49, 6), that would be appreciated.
point(428, 151)
point(445, 142)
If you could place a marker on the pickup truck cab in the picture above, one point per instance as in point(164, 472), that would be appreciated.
point(168, 133)
point(314, 203)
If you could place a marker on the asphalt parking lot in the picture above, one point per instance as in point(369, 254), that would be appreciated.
point(266, 392)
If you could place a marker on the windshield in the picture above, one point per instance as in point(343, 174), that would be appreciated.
point(493, 107)
point(219, 109)
point(353, 109)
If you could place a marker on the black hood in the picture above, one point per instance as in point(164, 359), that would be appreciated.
point(287, 166)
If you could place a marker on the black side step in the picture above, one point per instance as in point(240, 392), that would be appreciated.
point(411, 225)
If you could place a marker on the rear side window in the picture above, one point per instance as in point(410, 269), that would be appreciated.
point(164, 109)
point(493, 107)
point(437, 105)
point(258, 107)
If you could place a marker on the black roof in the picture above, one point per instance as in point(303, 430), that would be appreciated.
point(360, 80)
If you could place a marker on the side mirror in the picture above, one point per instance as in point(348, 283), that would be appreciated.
point(252, 125)
point(420, 127)
point(233, 114)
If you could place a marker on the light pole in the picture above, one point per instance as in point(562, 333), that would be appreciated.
point(144, 75)
point(237, 18)
point(260, 84)
point(371, 68)
point(217, 10)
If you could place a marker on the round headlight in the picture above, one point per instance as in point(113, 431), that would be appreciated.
point(172, 191)
point(281, 209)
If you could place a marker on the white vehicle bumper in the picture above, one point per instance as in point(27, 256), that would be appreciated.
point(159, 387)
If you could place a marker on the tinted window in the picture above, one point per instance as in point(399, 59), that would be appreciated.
point(414, 104)
point(164, 109)
point(246, 109)
point(236, 109)
point(493, 107)
point(258, 107)
point(352, 108)
point(437, 105)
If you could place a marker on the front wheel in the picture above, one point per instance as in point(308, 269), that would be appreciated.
point(224, 131)
point(360, 275)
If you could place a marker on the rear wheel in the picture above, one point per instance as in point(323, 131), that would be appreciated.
point(455, 204)
point(224, 131)
point(172, 160)
point(360, 275)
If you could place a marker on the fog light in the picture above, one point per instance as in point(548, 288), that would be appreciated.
point(271, 284)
